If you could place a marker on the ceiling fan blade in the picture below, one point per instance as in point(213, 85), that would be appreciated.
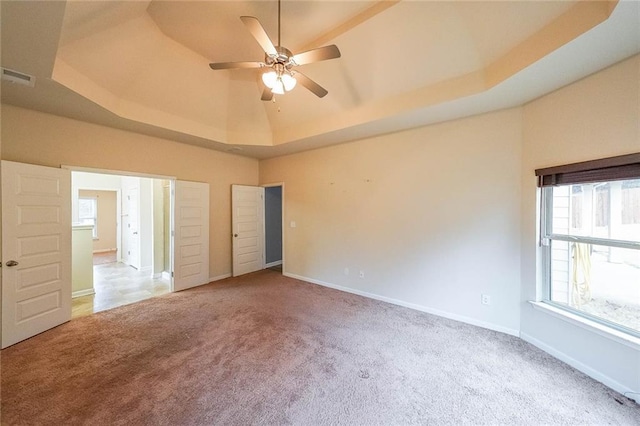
point(233, 65)
point(316, 55)
point(267, 94)
point(258, 32)
point(314, 87)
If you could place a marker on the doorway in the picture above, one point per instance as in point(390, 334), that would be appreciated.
point(257, 228)
point(273, 227)
point(130, 224)
point(37, 243)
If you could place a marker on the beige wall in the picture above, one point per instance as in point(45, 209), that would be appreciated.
point(38, 138)
point(596, 117)
point(107, 220)
point(432, 216)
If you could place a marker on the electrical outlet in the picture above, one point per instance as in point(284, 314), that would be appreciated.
point(361, 274)
point(346, 271)
point(486, 299)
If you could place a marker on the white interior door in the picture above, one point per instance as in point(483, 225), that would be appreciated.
point(191, 240)
point(36, 250)
point(247, 224)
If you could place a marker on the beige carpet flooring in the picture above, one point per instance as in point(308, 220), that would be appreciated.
point(266, 349)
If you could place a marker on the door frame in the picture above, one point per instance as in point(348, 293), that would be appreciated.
point(171, 179)
point(269, 185)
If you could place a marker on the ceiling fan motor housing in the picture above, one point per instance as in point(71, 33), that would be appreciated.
point(284, 57)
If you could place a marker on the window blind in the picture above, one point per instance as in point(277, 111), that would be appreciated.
point(605, 169)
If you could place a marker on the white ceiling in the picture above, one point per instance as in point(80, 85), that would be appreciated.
point(143, 65)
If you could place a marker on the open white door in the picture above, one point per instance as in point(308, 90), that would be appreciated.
point(191, 241)
point(36, 250)
point(247, 225)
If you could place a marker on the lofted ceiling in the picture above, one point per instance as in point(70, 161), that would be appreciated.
point(143, 65)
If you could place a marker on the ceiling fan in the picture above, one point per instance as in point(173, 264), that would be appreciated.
point(279, 76)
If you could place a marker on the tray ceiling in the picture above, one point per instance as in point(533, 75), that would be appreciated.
point(143, 65)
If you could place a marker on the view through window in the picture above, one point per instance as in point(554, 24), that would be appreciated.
point(591, 245)
point(88, 213)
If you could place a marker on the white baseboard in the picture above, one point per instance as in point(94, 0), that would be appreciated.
point(146, 269)
point(420, 308)
point(219, 277)
point(165, 275)
point(156, 276)
point(272, 264)
point(80, 293)
point(595, 374)
point(104, 250)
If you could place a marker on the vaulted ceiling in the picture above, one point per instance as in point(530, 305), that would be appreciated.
point(143, 65)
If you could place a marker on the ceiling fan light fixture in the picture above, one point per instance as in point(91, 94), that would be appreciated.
point(278, 87)
point(288, 81)
point(269, 78)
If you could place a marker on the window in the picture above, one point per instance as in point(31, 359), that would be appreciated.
point(88, 213)
point(590, 239)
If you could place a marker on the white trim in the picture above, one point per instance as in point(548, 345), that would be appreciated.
point(272, 264)
point(85, 292)
point(420, 308)
point(165, 275)
point(219, 277)
point(595, 374)
point(146, 269)
point(587, 324)
point(269, 185)
point(114, 172)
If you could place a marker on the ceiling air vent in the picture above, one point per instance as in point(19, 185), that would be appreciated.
point(18, 77)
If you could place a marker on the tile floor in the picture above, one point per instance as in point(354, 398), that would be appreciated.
point(117, 284)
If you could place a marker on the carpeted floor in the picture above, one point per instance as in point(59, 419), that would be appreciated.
point(266, 349)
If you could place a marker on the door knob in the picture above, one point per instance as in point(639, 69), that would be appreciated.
point(235, 235)
point(12, 263)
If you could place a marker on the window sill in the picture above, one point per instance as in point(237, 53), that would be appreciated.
point(608, 332)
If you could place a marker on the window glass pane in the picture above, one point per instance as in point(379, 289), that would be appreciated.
point(597, 280)
point(87, 208)
point(608, 210)
point(88, 213)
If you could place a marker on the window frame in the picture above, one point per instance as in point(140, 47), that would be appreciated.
point(95, 217)
point(605, 170)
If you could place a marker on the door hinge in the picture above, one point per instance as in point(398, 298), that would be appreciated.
point(171, 274)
